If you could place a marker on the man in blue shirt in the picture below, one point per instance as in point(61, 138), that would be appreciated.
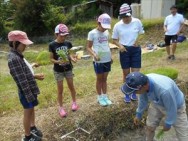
point(166, 100)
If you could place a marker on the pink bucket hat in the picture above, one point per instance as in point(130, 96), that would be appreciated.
point(20, 36)
point(105, 21)
point(125, 10)
point(62, 29)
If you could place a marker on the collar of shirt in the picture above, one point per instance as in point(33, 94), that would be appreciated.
point(17, 53)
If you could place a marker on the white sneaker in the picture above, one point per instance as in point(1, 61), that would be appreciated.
point(101, 101)
point(106, 99)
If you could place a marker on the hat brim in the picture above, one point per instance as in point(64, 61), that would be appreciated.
point(63, 34)
point(127, 90)
point(106, 26)
point(125, 15)
point(26, 42)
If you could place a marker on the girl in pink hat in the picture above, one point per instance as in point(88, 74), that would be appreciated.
point(61, 59)
point(98, 47)
point(24, 77)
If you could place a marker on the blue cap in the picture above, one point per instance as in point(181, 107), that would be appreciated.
point(134, 81)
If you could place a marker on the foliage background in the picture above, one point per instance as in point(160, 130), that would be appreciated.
point(39, 17)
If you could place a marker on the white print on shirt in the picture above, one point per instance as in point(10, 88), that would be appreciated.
point(63, 50)
point(102, 39)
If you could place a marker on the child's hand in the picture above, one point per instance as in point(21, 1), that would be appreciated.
point(97, 58)
point(112, 61)
point(39, 76)
point(35, 65)
point(122, 48)
point(61, 62)
point(74, 58)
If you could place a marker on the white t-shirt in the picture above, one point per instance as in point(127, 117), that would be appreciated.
point(127, 33)
point(173, 23)
point(29, 66)
point(100, 44)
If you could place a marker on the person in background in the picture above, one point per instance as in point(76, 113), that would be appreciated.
point(61, 58)
point(173, 25)
point(98, 47)
point(125, 35)
point(166, 101)
point(24, 77)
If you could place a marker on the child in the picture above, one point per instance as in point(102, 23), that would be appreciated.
point(125, 36)
point(61, 58)
point(24, 77)
point(98, 47)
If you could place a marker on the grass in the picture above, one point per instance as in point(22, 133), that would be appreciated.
point(84, 79)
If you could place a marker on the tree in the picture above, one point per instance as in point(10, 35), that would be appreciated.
point(28, 16)
point(183, 7)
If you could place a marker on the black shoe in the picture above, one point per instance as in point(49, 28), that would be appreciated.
point(173, 57)
point(36, 132)
point(169, 57)
point(32, 138)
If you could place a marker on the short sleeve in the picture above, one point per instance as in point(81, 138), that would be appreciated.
point(115, 32)
point(50, 47)
point(141, 28)
point(90, 36)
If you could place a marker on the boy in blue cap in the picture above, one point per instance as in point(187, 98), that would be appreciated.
point(166, 100)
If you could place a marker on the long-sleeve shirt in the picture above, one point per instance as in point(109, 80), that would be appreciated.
point(164, 92)
point(22, 75)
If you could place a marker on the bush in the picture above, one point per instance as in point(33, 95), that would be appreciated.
point(170, 72)
point(150, 23)
point(43, 58)
point(30, 56)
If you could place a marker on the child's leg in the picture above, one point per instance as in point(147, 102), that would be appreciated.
point(71, 88)
point(60, 93)
point(125, 73)
point(104, 82)
point(33, 118)
point(99, 83)
point(27, 120)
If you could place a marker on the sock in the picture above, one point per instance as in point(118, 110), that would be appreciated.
point(33, 128)
point(104, 95)
point(28, 137)
point(99, 96)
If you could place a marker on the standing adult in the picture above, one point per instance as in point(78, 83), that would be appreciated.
point(166, 101)
point(173, 25)
point(125, 35)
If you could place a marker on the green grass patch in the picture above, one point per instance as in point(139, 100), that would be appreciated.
point(149, 23)
point(31, 55)
point(43, 58)
point(170, 72)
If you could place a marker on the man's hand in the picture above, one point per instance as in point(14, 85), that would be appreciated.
point(136, 121)
point(165, 30)
point(165, 128)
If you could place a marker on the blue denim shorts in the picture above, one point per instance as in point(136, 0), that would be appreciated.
point(131, 58)
point(25, 104)
point(102, 67)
